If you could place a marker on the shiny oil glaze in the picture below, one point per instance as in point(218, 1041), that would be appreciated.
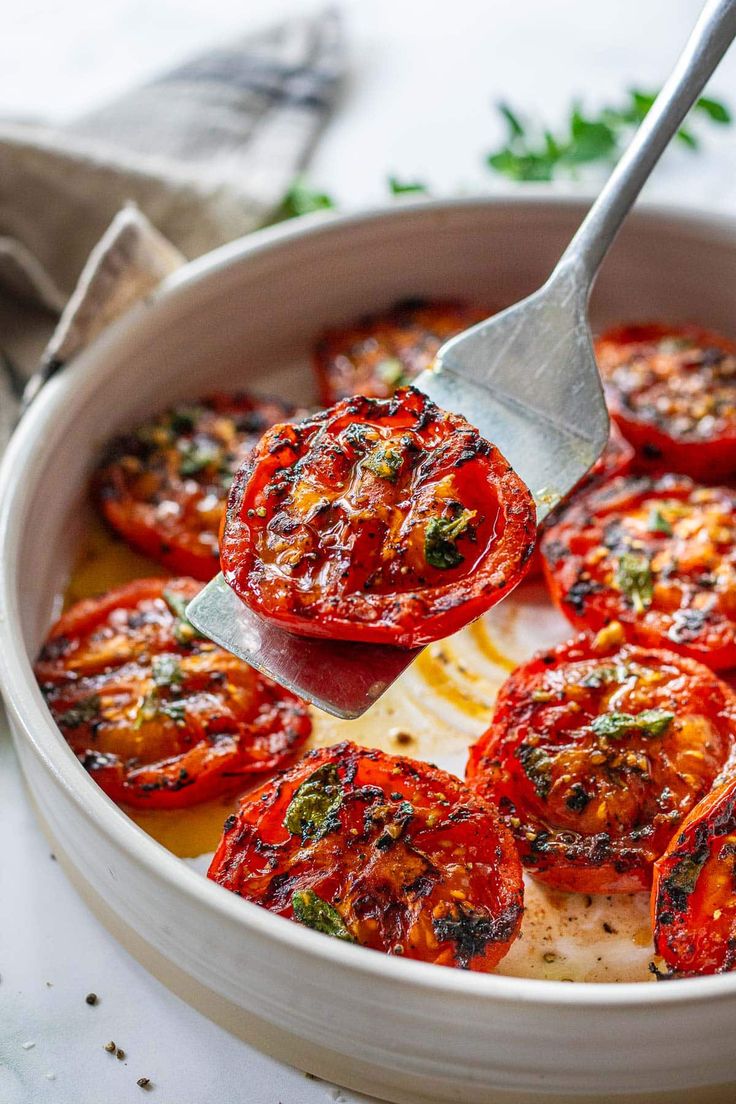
point(439, 706)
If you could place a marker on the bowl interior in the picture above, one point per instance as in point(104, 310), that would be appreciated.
point(249, 315)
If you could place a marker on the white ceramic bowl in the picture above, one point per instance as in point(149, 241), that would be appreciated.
point(247, 314)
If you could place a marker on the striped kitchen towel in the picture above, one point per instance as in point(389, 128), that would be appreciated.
point(204, 154)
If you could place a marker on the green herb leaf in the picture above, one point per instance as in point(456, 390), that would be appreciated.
point(516, 128)
point(195, 458)
point(147, 709)
point(152, 706)
point(658, 523)
point(440, 549)
point(537, 766)
point(183, 419)
point(634, 579)
point(687, 138)
point(650, 723)
point(523, 166)
point(716, 111)
point(391, 372)
point(384, 462)
point(176, 711)
point(166, 670)
point(605, 676)
point(312, 811)
point(303, 200)
point(313, 912)
point(400, 187)
point(184, 630)
point(538, 154)
point(84, 712)
point(590, 140)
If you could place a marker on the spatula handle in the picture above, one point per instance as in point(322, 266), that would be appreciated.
point(711, 37)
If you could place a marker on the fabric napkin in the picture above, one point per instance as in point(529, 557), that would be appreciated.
point(93, 214)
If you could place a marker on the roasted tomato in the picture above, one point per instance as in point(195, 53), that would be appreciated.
point(616, 459)
point(595, 754)
point(694, 890)
point(383, 520)
point(386, 351)
point(164, 486)
point(657, 555)
point(672, 390)
point(382, 851)
point(160, 717)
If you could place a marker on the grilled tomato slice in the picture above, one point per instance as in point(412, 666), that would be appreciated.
point(379, 520)
point(160, 717)
point(386, 351)
point(595, 754)
point(656, 555)
point(164, 486)
point(694, 890)
point(381, 851)
point(672, 390)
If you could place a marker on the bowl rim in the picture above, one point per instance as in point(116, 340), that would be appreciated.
point(24, 700)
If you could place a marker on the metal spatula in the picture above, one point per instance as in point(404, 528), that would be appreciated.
point(527, 379)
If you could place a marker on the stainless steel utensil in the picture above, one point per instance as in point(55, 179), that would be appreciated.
point(526, 378)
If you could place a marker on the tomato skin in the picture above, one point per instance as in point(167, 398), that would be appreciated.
point(160, 717)
point(592, 807)
point(676, 405)
point(384, 351)
point(412, 862)
point(689, 599)
point(693, 899)
point(320, 542)
point(163, 487)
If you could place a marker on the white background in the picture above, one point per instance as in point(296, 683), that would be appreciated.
point(423, 78)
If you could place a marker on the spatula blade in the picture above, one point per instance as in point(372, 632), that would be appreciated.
point(527, 380)
point(341, 677)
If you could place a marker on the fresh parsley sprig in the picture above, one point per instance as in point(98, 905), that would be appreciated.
point(406, 187)
point(534, 154)
point(301, 199)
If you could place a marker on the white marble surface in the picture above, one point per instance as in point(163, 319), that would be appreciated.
point(424, 76)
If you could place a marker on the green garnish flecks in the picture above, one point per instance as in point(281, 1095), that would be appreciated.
point(84, 712)
point(650, 723)
point(605, 676)
point(302, 199)
point(166, 670)
point(537, 766)
point(634, 579)
point(313, 912)
point(537, 154)
point(184, 630)
point(658, 523)
point(406, 187)
point(152, 705)
point(196, 457)
point(384, 462)
point(183, 419)
point(391, 372)
point(440, 536)
point(312, 811)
